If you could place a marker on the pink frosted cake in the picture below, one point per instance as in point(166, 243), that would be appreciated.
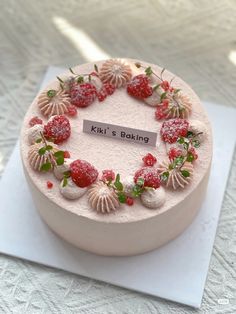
point(117, 156)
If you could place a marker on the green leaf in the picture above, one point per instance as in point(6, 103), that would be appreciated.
point(140, 182)
point(165, 176)
point(48, 147)
point(67, 174)
point(137, 190)
point(59, 153)
point(51, 93)
point(80, 79)
point(190, 134)
point(96, 68)
point(177, 90)
point(163, 95)
point(121, 197)
point(71, 71)
point(89, 78)
point(156, 87)
point(46, 167)
point(180, 140)
point(162, 71)
point(185, 173)
point(118, 185)
point(59, 79)
point(39, 140)
point(60, 160)
point(196, 143)
point(42, 151)
point(65, 182)
point(178, 161)
point(148, 71)
point(185, 145)
point(190, 157)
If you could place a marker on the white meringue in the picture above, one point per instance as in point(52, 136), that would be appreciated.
point(33, 133)
point(59, 170)
point(155, 98)
point(197, 127)
point(71, 191)
point(153, 198)
point(128, 184)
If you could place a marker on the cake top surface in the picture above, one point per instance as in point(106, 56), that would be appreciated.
point(127, 107)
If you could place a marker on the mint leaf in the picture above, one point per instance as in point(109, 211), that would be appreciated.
point(95, 67)
point(48, 147)
point(39, 140)
point(185, 173)
point(165, 176)
point(67, 174)
point(140, 182)
point(46, 167)
point(51, 93)
point(80, 79)
point(148, 71)
point(190, 157)
point(163, 96)
point(118, 185)
point(65, 182)
point(121, 197)
point(137, 190)
point(180, 140)
point(59, 153)
point(42, 151)
point(190, 134)
point(60, 161)
point(196, 143)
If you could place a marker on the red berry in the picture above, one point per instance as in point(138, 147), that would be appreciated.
point(35, 120)
point(129, 201)
point(58, 129)
point(162, 109)
point(83, 173)
point(102, 94)
point(165, 85)
point(139, 87)
point(108, 175)
point(72, 111)
point(173, 153)
point(194, 153)
point(149, 175)
point(66, 154)
point(172, 129)
point(83, 95)
point(109, 88)
point(149, 160)
point(49, 184)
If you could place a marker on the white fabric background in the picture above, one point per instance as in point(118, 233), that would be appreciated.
point(194, 39)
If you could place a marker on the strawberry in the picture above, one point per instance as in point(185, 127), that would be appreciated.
point(83, 95)
point(172, 129)
point(139, 87)
point(83, 173)
point(58, 129)
point(150, 176)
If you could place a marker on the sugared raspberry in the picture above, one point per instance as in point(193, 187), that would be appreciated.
point(139, 87)
point(172, 129)
point(165, 85)
point(35, 120)
point(149, 160)
point(66, 154)
point(83, 95)
point(109, 88)
point(102, 94)
point(149, 175)
point(49, 184)
point(129, 201)
point(72, 111)
point(108, 175)
point(57, 129)
point(194, 153)
point(173, 153)
point(83, 173)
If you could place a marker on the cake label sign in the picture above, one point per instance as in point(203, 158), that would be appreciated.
point(120, 132)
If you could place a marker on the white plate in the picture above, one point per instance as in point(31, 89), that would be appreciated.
point(177, 271)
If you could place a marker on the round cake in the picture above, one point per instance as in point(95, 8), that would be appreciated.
point(117, 155)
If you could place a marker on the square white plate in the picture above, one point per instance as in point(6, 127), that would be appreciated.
point(177, 271)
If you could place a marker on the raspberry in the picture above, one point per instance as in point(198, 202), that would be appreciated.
point(83, 173)
point(173, 153)
point(139, 87)
point(172, 129)
point(49, 184)
point(129, 201)
point(83, 95)
point(58, 129)
point(108, 175)
point(150, 176)
point(194, 153)
point(109, 88)
point(165, 85)
point(35, 120)
point(72, 111)
point(66, 154)
point(149, 160)
point(102, 94)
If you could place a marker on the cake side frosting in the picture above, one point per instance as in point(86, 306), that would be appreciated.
point(123, 157)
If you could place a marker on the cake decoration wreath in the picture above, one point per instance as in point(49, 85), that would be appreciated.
point(107, 191)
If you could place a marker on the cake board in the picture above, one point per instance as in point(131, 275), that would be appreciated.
point(176, 271)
